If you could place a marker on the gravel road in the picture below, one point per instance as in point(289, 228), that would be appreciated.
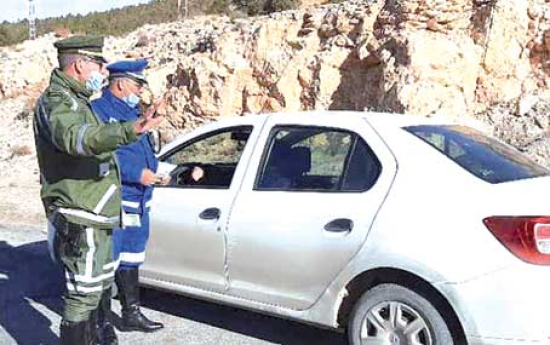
point(30, 307)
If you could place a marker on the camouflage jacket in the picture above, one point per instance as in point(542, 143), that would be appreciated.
point(78, 171)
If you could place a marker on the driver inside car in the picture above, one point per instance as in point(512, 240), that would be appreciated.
point(196, 177)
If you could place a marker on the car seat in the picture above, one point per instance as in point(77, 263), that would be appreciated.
point(286, 166)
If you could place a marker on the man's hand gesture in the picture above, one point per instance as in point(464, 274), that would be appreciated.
point(151, 118)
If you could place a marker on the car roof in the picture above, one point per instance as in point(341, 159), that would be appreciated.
point(376, 119)
point(380, 121)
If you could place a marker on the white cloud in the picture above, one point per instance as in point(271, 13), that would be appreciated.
point(18, 9)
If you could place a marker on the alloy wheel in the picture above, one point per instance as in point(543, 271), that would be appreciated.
point(394, 323)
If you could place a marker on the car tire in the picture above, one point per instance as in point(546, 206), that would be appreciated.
point(392, 314)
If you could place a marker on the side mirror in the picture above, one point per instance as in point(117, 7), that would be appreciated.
point(155, 140)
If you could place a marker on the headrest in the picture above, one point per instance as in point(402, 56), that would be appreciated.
point(300, 159)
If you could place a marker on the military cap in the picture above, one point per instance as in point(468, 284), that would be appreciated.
point(132, 69)
point(89, 46)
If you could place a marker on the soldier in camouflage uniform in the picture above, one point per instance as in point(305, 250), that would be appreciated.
point(81, 181)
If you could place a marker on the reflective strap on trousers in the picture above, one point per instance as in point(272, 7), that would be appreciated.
point(132, 204)
point(83, 289)
point(112, 265)
point(132, 257)
point(88, 278)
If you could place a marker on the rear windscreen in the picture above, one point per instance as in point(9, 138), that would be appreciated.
point(485, 157)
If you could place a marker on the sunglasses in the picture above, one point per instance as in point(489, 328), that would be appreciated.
point(98, 62)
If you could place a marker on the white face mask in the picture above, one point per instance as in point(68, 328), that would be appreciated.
point(95, 81)
point(132, 100)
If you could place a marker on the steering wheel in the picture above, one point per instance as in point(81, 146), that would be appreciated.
point(180, 175)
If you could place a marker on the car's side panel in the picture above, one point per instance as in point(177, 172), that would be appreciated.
point(183, 248)
point(278, 251)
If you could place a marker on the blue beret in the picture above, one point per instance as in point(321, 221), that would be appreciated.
point(132, 69)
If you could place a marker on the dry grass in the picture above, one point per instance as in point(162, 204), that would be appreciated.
point(20, 150)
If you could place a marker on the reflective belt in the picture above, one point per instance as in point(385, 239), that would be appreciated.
point(105, 198)
point(89, 216)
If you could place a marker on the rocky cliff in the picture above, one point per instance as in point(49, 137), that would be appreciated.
point(485, 59)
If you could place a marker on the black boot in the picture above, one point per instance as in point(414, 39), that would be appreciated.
point(105, 329)
point(128, 292)
point(75, 333)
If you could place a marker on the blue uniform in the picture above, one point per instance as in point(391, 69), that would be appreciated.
point(129, 243)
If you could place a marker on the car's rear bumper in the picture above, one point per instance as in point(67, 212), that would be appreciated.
point(506, 307)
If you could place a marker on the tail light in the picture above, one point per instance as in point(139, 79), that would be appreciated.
point(526, 237)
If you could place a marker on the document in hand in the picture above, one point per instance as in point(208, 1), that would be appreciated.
point(164, 169)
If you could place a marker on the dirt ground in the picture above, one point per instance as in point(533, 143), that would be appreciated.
point(20, 203)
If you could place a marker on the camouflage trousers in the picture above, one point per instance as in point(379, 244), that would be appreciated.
point(86, 255)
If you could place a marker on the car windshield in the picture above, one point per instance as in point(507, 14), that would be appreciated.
point(484, 157)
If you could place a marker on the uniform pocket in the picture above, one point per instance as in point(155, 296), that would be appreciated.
point(68, 238)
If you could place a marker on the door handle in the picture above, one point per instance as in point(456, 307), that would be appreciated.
point(210, 214)
point(339, 225)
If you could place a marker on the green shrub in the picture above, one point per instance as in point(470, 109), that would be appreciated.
point(219, 6)
point(115, 22)
point(121, 21)
point(282, 5)
point(256, 7)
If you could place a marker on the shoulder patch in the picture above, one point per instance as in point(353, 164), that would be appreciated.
point(64, 95)
point(74, 105)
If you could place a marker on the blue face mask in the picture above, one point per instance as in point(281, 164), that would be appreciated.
point(95, 82)
point(132, 100)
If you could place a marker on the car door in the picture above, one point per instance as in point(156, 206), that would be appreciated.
point(187, 243)
point(306, 207)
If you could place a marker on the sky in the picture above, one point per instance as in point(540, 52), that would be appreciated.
point(14, 10)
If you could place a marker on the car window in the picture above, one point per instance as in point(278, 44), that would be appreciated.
point(317, 159)
point(363, 168)
point(484, 157)
point(217, 154)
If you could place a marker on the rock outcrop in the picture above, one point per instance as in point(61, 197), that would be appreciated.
point(486, 59)
point(416, 56)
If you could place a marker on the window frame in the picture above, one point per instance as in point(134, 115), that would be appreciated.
point(355, 137)
point(194, 141)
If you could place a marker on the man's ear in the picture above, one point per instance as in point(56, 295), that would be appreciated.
point(79, 66)
point(120, 85)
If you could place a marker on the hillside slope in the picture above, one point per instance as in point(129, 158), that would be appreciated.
point(475, 59)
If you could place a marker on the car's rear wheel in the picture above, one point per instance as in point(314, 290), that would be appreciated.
point(390, 314)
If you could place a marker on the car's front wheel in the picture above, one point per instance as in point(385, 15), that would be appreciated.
point(390, 314)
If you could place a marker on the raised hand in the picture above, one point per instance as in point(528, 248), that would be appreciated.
point(151, 117)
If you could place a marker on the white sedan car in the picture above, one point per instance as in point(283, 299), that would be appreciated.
point(398, 229)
